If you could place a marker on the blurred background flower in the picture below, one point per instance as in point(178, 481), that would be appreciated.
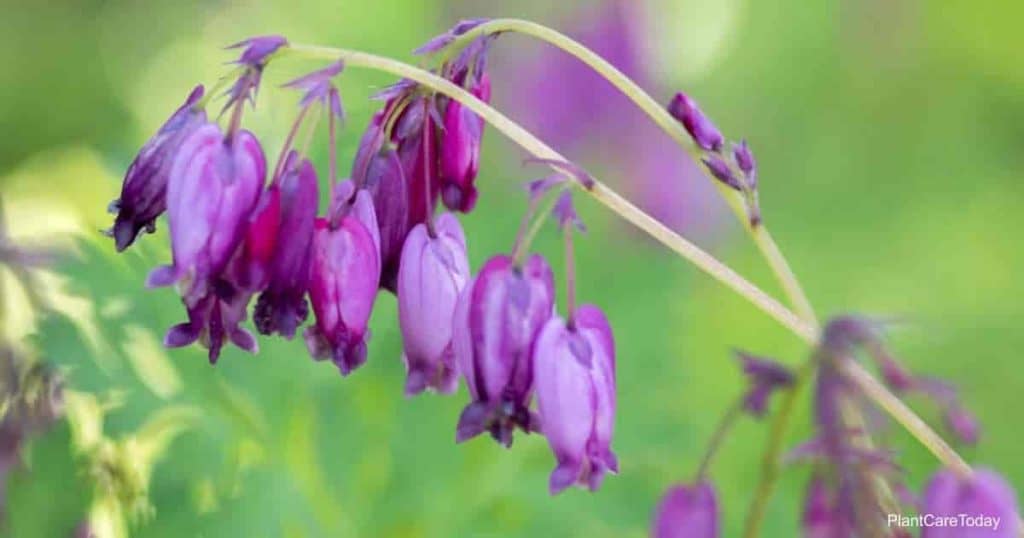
point(888, 140)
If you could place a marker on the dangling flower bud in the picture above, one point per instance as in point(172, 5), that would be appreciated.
point(984, 496)
point(213, 188)
point(460, 150)
point(344, 275)
point(282, 306)
point(497, 320)
point(963, 424)
point(744, 159)
point(574, 372)
point(687, 512)
point(704, 133)
point(144, 191)
point(765, 376)
point(433, 272)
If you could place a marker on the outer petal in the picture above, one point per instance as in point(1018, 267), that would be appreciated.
point(984, 494)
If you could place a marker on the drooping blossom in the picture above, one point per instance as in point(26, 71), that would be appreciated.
point(497, 319)
point(144, 191)
point(344, 275)
point(985, 496)
point(460, 149)
point(282, 307)
point(433, 272)
point(256, 52)
point(687, 511)
point(574, 374)
point(215, 185)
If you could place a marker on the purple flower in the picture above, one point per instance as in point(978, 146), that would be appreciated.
point(963, 424)
point(282, 306)
point(721, 171)
point(744, 159)
point(574, 372)
point(250, 268)
point(765, 376)
point(497, 319)
point(821, 519)
point(687, 512)
point(440, 42)
point(143, 193)
point(460, 150)
point(344, 275)
point(434, 270)
point(704, 133)
point(214, 185)
point(319, 86)
point(984, 495)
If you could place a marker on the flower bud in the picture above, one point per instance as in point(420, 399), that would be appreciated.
point(497, 319)
point(704, 133)
point(687, 512)
point(574, 372)
point(144, 191)
point(744, 159)
point(765, 376)
point(213, 187)
point(433, 272)
point(963, 424)
point(282, 306)
point(344, 275)
point(984, 494)
point(722, 172)
point(460, 150)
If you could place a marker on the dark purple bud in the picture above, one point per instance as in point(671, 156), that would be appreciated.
point(984, 497)
point(439, 42)
point(720, 169)
point(687, 512)
point(497, 319)
point(574, 372)
point(344, 275)
point(143, 194)
point(745, 161)
point(258, 49)
point(821, 519)
point(963, 424)
point(433, 272)
point(765, 376)
point(319, 86)
point(704, 133)
point(213, 188)
point(460, 150)
point(282, 306)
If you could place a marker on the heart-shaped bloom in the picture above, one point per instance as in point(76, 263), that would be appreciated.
point(460, 150)
point(985, 497)
point(687, 512)
point(434, 270)
point(282, 306)
point(497, 320)
point(344, 275)
point(214, 185)
point(144, 191)
point(574, 373)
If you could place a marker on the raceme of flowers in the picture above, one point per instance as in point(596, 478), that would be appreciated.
point(237, 238)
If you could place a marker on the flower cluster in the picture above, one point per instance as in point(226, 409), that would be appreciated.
point(236, 236)
point(741, 174)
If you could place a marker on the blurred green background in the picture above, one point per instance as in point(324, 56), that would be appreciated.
point(889, 137)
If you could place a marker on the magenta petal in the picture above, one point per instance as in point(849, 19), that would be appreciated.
point(984, 494)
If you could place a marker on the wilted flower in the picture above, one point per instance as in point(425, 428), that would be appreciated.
point(433, 272)
point(574, 373)
point(256, 52)
point(704, 133)
point(497, 319)
point(460, 150)
point(687, 512)
point(344, 275)
point(282, 306)
point(215, 184)
point(213, 321)
point(144, 191)
point(765, 376)
point(984, 495)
